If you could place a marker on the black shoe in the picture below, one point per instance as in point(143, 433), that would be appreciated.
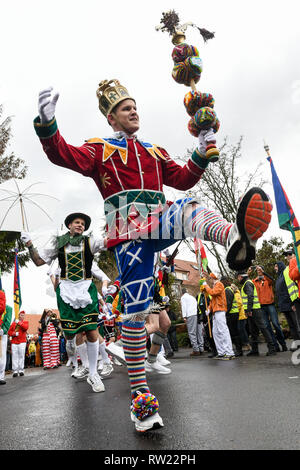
point(21, 374)
point(253, 353)
point(284, 347)
point(211, 355)
point(15, 374)
point(170, 354)
point(239, 354)
point(2, 382)
point(271, 353)
point(277, 348)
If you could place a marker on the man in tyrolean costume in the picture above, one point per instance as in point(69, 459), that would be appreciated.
point(77, 296)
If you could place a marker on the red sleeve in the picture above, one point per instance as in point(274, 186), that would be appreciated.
point(293, 270)
point(11, 331)
point(24, 325)
point(180, 177)
point(80, 159)
point(2, 302)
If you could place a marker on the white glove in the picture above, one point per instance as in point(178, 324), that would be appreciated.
point(165, 299)
point(112, 289)
point(57, 272)
point(104, 291)
point(204, 137)
point(209, 136)
point(167, 269)
point(46, 105)
point(105, 309)
point(17, 334)
point(17, 321)
point(207, 312)
point(1, 332)
point(25, 237)
point(202, 143)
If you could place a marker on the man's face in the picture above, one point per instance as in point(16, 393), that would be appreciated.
point(125, 118)
point(240, 279)
point(21, 316)
point(276, 268)
point(77, 227)
point(259, 271)
point(289, 257)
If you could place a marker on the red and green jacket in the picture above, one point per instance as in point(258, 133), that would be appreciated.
point(129, 174)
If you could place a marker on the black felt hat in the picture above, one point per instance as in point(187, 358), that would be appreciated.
point(78, 215)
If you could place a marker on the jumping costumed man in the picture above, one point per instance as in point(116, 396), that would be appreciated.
point(130, 174)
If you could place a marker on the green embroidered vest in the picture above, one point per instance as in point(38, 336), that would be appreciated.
point(76, 266)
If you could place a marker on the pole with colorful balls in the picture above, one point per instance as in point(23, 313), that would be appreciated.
point(187, 71)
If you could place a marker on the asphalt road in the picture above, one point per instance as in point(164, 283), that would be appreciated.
point(247, 403)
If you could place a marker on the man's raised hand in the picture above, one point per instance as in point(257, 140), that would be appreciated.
point(47, 103)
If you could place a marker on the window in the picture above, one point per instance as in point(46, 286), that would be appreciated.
point(182, 276)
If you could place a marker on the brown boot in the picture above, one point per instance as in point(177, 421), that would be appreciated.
point(195, 353)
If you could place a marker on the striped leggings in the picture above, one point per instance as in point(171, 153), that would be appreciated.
point(50, 347)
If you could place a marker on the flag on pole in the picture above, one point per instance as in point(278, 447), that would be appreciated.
point(286, 216)
point(200, 254)
point(17, 287)
point(0, 281)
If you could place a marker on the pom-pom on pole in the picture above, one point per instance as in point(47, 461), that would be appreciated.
point(187, 71)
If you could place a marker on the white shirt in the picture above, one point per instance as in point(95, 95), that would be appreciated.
point(188, 305)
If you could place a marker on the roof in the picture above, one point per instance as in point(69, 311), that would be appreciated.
point(190, 268)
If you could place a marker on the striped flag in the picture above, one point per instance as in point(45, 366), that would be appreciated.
point(286, 216)
point(17, 287)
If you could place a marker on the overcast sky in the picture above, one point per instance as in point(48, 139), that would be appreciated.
point(251, 68)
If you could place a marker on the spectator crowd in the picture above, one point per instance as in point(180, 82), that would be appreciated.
point(226, 320)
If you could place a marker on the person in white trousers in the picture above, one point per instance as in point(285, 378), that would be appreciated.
point(218, 307)
point(189, 315)
point(17, 331)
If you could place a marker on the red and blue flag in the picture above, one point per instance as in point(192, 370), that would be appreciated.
point(286, 216)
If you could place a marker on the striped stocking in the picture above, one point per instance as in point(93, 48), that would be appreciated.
point(54, 346)
point(46, 350)
point(134, 339)
point(208, 225)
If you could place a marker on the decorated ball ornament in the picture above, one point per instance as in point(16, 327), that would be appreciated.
point(187, 64)
point(183, 51)
point(144, 405)
point(204, 119)
point(188, 71)
point(194, 100)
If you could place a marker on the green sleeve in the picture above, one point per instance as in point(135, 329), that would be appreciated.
point(7, 319)
point(45, 130)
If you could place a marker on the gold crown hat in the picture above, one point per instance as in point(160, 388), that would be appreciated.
point(110, 93)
